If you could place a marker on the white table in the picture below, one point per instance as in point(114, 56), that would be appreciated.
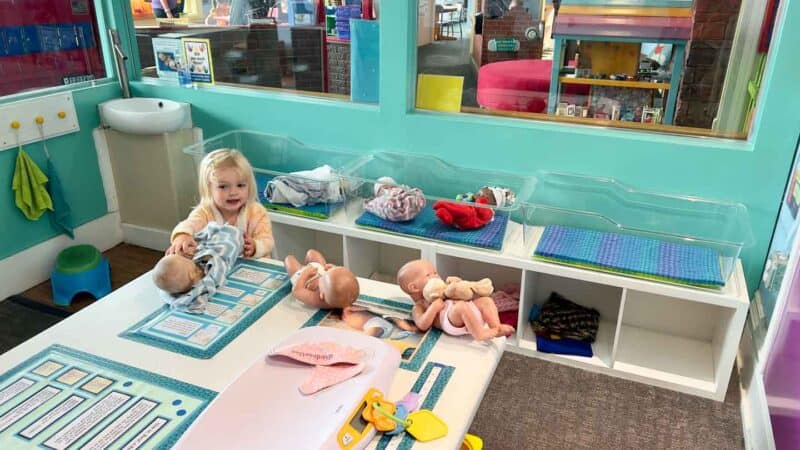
point(95, 330)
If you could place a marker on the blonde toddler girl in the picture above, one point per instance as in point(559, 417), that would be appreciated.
point(228, 195)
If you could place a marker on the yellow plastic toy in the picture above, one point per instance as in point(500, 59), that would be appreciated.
point(472, 442)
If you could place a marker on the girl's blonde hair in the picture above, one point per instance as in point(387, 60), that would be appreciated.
point(225, 158)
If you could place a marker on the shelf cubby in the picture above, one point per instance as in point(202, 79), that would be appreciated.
point(606, 299)
point(675, 341)
point(377, 260)
point(291, 240)
point(469, 269)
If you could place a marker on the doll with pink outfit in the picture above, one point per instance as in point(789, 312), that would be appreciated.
point(455, 306)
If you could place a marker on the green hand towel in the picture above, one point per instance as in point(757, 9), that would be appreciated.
point(29, 182)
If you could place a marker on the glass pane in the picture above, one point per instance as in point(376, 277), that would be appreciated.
point(48, 43)
point(328, 48)
point(656, 65)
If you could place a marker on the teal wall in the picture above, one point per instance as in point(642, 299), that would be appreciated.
point(75, 159)
point(73, 155)
point(753, 172)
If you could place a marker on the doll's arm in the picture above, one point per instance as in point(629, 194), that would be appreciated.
point(424, 318)
point(262, 232)
point(308, 296)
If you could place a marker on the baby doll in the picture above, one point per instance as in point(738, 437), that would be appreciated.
point(320, 284)
point(452, 316)
point(395, 203)
point(494, 195)
point(188, 283)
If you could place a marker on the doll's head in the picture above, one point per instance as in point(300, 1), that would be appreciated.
point(490, 195)
point(498, 196)
point(226, 180)
point(176, 274)
point(338, 287)
point(413, 277)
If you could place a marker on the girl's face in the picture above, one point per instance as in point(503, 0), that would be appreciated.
point(229, 190)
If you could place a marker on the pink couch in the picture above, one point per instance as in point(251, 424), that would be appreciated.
point(520, 85)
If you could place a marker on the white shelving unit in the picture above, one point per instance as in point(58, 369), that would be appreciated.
point(671, 336)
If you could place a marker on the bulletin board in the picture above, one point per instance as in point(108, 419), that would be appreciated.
point(42, 45)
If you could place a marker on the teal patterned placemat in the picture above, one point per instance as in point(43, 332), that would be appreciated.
point(390, 318)
point(65, 398)
point(251, 289)
point(429, 385)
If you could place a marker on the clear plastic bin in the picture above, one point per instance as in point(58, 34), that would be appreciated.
point(274, 158)
point(438, 180)
point(657, 236)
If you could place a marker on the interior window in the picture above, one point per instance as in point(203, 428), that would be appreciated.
point(675, 66)
point(325, 48)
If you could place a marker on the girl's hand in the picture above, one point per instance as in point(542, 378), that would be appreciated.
point(249, 247)
point(182, 245)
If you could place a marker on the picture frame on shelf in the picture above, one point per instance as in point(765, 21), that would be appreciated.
point(651, 115)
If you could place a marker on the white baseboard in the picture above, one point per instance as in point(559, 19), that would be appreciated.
point(151, 238)
point(32, 266)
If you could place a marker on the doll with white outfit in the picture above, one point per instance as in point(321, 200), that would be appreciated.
point(321, 284)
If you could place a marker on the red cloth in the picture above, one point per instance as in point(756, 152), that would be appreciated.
point(519, 85)
point(462, 216)
point(509, 318)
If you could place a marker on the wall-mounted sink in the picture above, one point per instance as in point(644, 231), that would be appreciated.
point(145, 115)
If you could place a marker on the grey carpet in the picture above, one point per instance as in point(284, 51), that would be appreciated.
point(535, 404)
point(21, 319)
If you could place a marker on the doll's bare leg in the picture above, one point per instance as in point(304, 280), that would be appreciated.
point(403, 324)
point(355, 316)
point(292, 265)
point(489, 312)
point(461, 312)
point(315, 256)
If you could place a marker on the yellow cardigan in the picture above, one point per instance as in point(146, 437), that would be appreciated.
point(253, 221)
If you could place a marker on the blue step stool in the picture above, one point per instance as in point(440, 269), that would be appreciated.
point(81, 268)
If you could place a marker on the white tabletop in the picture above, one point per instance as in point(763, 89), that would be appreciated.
point(95, 330)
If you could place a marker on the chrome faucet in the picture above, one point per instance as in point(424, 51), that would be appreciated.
point(119, 60)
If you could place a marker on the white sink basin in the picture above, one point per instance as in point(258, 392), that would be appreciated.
point(145, 115)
